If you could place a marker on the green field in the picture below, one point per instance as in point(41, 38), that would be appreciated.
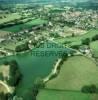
point(65, 95)
point(9, 17)
point(75, 73)
point(20, 27)
point(77, 39)
point(57, 10)
point(94, 48)
point(71, 76)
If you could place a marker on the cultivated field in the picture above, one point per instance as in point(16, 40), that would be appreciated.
point(68, 31)
point(9, 17)
point(77, 39)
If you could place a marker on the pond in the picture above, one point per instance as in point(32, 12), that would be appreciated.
point(36, 63)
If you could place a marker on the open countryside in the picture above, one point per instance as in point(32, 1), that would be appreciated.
point(48, 50)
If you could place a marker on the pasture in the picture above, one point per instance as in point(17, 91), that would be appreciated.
point(94, 48)
point(75, 73)
point(64, 95)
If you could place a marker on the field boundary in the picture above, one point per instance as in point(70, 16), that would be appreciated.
point(59, 90)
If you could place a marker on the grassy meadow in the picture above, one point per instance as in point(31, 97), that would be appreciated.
point(65, 95)
point(75, 73)
point(94, 48)
point(71, 76)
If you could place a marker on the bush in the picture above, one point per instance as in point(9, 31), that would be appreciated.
point(15, 74)
point(75, 46)
point(4, 96)
point(1, 77)
point(86, 41)
point(53, 76)
point(6, 63)
point(22, 47)
point(89, 89)
point(37, 85)
point(95, 38)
